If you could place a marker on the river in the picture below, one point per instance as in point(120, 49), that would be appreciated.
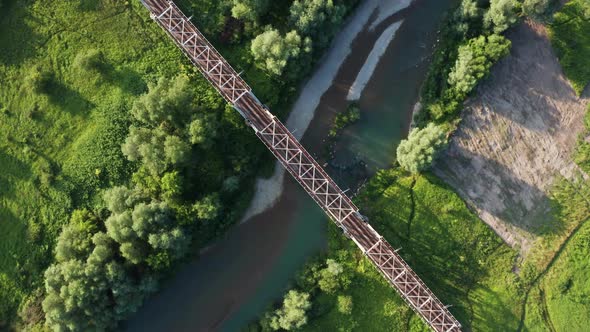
point(233, 281)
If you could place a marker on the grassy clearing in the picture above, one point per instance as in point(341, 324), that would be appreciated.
point(69, 75)
point(570, 37)
point(459, 257)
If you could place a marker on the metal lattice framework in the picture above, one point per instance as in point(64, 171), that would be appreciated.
point(301, 165)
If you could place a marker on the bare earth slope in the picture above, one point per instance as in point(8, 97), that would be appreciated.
point(517, 136)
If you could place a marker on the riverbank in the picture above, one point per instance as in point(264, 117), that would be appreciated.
point(369, 12)
point(294, 229)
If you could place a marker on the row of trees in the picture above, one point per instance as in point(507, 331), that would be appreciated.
point(472, 44)
point(109, 259)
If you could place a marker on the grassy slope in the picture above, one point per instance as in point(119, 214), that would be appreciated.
point(439, 237)
point(60, 148)
point(570, 36)
point(45, 137)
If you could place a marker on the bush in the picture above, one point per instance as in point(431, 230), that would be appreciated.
point(345, 304)
point(293, 313)
point(501, 15)
point(474, 62)
point(273, 51)
point(416, 153)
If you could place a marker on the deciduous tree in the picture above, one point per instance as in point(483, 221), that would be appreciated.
point(416, 153)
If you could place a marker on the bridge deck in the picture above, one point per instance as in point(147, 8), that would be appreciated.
point(301, 165)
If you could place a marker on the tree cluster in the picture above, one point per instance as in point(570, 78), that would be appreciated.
point(90, 287)
point(312, 23)
point(471, 44)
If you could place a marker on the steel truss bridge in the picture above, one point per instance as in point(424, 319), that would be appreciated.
point(297, 161)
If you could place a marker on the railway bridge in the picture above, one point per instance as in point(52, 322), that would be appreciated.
point(301, 165)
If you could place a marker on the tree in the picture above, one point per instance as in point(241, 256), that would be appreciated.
point(345, 304)
point(475, 60)
point(202, 130)
point(170, 100)
point(317, 18)
point(535, 8)
point(75, 239)
point(501, 15)
point(208, 207)
point(416, 153)
point(331, 277)
point(273, 51)
point(249, 10)
point(293, 313)
point(143, 228)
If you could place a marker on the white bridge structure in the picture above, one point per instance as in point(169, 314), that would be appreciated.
point(301, 165)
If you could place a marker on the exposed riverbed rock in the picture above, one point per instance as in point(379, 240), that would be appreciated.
point(517, 137)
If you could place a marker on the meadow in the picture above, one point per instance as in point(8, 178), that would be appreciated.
point(71, 74)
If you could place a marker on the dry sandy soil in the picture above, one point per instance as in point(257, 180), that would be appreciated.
point(517, 137)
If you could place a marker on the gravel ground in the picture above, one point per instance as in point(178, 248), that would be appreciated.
point(517, 137)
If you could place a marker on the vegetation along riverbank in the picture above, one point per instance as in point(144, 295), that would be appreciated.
point(492, 282)
point(118, 158)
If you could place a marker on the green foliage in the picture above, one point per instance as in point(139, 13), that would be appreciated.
point(467, 265)
point(89, 60)
point(535, 8)
point(37, 80)
point(143, 228)
point(345, 304)
point(474, 62)
point(88, 288)
point(570, 37)
point(318, 19)
point(293, 313)
point(272, 51)
point(501, 15)
point(207, 208)
point(66, 109)
point(332, 278)
point(249, 10)
point(464, 57)
point(351, 115)
point(416, 153)
point(161, 113)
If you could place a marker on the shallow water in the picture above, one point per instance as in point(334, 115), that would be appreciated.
point(232, 282)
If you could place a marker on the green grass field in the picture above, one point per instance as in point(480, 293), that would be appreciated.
point(46, 136)
point(570, 37)
point(459, 257)
point(62, 125)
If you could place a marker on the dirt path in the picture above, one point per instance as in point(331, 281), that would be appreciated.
point(517, 136)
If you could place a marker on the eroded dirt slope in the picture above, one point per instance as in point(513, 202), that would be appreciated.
point(517, 136)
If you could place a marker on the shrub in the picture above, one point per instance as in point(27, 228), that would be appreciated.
point(501, 15)
point(416, 153)
point(293, 313)
point(273, 51)
point(344, 304)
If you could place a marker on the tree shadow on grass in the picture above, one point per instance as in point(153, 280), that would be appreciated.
point(125, 78)
point(66, 98)
point(495, 189)
point(18, 41)
point(12, 168)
